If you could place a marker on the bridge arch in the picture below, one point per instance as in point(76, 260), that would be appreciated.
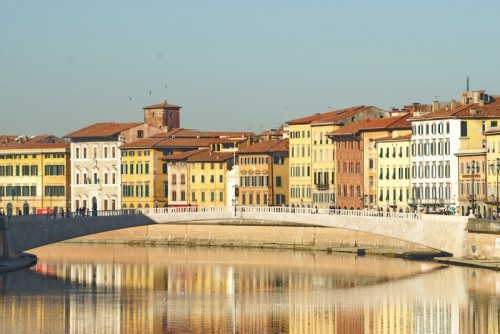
point(444, 233)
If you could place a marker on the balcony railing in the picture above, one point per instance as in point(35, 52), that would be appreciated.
point(322, 186)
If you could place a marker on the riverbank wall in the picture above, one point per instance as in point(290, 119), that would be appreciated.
point(483, 239)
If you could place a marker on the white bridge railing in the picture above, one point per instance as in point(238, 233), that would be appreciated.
point(279, 210)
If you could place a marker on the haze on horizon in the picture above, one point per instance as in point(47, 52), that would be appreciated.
point(235, 65)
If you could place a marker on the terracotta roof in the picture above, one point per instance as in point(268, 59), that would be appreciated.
point(177, 142)
point(341, 114)
point(36, 142)
point(142, 143)
point(397, 122)
point(182, 155)
point(188, 133)
point(329, 117)
point(391, 138)
point(101, 130)
point(271, 132)
point(271, 145)
point(161, 105)
point(210, 156)
point(472, 110)
point(7, 138)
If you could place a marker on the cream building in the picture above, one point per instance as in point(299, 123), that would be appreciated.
point(393, 166)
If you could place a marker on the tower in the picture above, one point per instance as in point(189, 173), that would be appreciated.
point(163, 115)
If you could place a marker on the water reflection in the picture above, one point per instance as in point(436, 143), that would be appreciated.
point(121, 289)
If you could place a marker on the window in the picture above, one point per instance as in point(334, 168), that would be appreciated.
point(463, 128)
point(140, 134)
point(278, 181)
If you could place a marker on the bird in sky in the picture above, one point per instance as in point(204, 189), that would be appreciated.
point(150, 92)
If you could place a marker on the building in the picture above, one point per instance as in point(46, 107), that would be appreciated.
point(492, 136)
point(177, 187)
point(263, 169)
point(207, 178)
point(163, 115)
point(96, 182)
point(393, 166)
point(34, 174)
point(472, 189)
point(438, 139)
point(160, 147)
point(356, 159)
point(312, 174)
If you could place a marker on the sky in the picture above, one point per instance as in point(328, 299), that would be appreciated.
point(235, 65)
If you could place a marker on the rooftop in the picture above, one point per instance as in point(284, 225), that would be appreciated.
point(102, 130)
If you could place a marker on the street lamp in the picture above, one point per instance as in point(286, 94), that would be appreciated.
point(473, 169)
point(492, 167)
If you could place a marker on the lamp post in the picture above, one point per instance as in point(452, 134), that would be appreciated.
point(473, 169)
point(492, 167)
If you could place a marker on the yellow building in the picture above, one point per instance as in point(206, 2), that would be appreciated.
point(207, 177)
point(393, 166)
point(34, 174)
point(492, 136)
point(263, 169)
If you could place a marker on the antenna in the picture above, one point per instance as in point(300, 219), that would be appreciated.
point(467, 83)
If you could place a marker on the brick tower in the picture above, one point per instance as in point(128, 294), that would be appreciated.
point(163, 115)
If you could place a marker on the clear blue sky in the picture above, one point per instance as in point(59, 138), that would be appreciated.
point(235, 65)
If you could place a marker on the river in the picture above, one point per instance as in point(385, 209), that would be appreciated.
point(85, 288)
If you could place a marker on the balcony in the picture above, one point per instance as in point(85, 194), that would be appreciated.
point(322, 186)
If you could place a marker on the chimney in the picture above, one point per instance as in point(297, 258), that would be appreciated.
point(453, 104)
point(435, 105)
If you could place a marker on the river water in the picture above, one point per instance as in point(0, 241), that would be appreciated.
point(78, 288)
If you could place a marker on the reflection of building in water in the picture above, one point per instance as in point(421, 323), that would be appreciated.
point(226, 297)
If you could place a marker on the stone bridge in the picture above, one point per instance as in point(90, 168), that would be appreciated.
point(443, 233)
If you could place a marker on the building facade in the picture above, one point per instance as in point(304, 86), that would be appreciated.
point(393, 165)
point(207, 177)
point(34, 175)
point(263, 169)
